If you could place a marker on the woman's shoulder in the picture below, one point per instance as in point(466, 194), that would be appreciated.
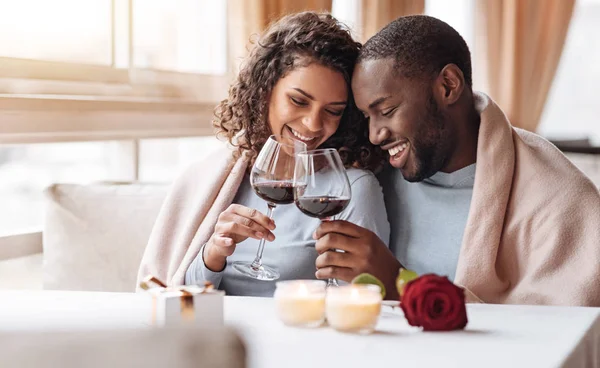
point(361, 177)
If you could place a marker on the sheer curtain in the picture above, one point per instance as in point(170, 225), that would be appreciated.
point(375, 14)
point(247, 18)
point(519, 44)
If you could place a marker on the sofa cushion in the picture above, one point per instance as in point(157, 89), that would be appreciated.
point(94, 235)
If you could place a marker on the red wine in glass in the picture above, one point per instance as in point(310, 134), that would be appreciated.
point(323, 207)
point(276, 192)
point(321, 186)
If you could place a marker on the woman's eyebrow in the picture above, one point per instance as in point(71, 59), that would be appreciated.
point(310, 97)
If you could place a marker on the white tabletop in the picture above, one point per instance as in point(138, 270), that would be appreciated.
point(496, 336)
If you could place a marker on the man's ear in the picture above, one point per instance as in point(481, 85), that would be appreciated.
point(450, 84)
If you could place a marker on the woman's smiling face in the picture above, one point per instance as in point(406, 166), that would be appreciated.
point(307, 104)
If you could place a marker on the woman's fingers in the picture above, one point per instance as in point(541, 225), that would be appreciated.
point(259, 229)
point(254, 215)
point(235, 229)
point(225, 244)
point(248, 218)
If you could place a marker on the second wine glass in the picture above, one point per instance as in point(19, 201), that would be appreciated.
point(321, 186)
point(272, 180)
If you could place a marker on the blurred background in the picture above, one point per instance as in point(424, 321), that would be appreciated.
point(123, 90)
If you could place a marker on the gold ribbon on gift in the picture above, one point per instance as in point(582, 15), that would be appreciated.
point(186, 295)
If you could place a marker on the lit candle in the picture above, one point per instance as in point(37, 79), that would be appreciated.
point(301, 302)
point(353, 308)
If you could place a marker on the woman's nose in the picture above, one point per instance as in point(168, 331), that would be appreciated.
point(313, 122)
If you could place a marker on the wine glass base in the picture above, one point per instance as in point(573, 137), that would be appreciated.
point(264, 273)
point(332, 283)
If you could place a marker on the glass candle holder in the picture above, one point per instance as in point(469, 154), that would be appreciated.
point(301, 303)
point(353, 308)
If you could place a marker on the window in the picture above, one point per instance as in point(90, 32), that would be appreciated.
point(348, 11)
point(460, 15)
point(26, 169)
point(181, 35)
point(102, 90)
point(572, 110)
point(162, 159)
point(58, 30)
point(457, 13)
point(115, 48)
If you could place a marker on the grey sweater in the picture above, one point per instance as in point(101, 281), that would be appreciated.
point(428, 218)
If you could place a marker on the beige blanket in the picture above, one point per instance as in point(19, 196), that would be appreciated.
point(532, 237)
point(533, 232)
point(188, 216)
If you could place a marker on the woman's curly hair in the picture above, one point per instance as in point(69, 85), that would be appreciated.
point(295, 41)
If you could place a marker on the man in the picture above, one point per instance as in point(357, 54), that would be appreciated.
point(496, 209)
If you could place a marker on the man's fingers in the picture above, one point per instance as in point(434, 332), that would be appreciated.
point(253, 214)
point(338, 226)
point(332, 258)
point(337, 241)
point(340, 273)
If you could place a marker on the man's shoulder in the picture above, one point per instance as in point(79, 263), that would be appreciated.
point(537, 156)
point(543, 175)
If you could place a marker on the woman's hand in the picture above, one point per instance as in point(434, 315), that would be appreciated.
point(236, 224)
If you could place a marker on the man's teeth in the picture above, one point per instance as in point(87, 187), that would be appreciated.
point(397, 149)
point(298, 135)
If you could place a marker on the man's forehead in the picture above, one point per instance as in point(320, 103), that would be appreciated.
point(375, 69)
point(375, 76)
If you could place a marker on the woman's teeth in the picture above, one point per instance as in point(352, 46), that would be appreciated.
point(397, 149)
point(301, 137)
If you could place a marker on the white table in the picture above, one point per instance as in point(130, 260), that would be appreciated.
point(496, 336)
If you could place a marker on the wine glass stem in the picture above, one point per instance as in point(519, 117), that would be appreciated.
point(330, 282)
point(261, 246)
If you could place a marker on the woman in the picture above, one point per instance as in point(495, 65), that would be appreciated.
point(295, 83)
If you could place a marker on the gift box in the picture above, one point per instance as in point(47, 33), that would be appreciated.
point(190, 304)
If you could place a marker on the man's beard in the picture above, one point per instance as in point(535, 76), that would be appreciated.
point(431, 143)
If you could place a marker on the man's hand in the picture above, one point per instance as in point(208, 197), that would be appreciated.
point(363, 252)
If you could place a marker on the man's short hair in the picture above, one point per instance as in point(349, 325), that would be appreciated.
point(421, 46)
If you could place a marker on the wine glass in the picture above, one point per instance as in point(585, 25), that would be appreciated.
point(272, 179)
point(321, 186)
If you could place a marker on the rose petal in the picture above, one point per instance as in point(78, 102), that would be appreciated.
point(434, 303)
point(436, 315)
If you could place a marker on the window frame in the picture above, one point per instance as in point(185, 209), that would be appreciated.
point(76, 96)
point(20, 245)
point(52, 101)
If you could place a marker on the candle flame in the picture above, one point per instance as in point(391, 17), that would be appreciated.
point(302, 290)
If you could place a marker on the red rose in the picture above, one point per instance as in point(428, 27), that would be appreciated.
point(434, 303)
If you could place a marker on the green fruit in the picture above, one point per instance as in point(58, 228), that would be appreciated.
point(404, 277)
point(367, 278)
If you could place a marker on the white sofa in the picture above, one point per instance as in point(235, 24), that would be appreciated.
point(94, 235)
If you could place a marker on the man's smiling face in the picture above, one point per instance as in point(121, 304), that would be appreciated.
point(404, 118)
